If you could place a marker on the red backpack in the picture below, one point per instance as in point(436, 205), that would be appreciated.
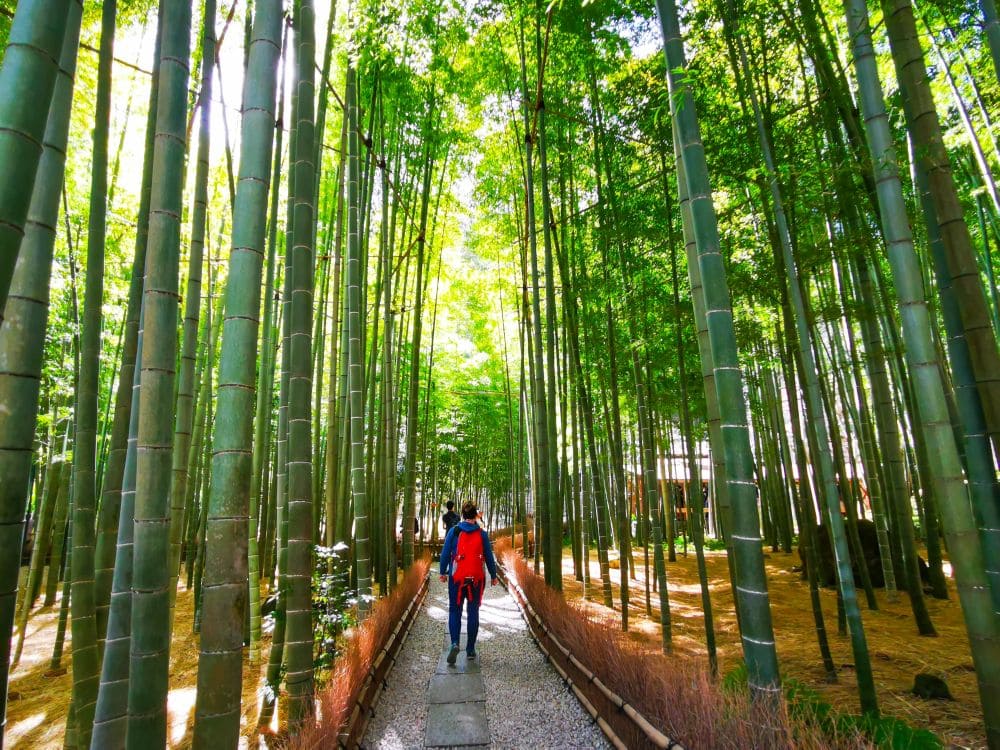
point(467, 564)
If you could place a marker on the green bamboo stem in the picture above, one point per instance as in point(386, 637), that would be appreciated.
point(276, 658)
point(265, 391)
point(149, 654)
point(960, 529)
point(56, 474)
point(413, 386)
point(975, 320)
point(648, 463)
point(299, 631)
point(205, 494)
point(55, 664)
point(86, 656)
point(28, 66)
point(28, 75)
point(186, 384)
point(554, 532)
point(114, 554)
point(992, 31)
point(59, 537)
point(225, 579)
point(751, 583)
point(355, 373)
point(111, 710)
point(955, 298)
point(111, 490)
point(540, 434)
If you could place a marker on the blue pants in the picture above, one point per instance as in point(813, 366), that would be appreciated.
point(455, 613)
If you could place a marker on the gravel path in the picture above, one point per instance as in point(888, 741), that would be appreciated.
point(527, 705)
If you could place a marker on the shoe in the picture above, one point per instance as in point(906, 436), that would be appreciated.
point(470, 655)
point(453, 654)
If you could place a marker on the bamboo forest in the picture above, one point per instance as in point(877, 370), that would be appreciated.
point(689, 306)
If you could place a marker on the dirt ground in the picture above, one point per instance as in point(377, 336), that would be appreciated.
point(898, 652)
point(36, 709)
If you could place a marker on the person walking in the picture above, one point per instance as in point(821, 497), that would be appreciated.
point(450, 518)
point(466, 548)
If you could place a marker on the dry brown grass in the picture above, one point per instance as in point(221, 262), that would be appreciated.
point(676, 693)
point(336, 701)
point(501, 542)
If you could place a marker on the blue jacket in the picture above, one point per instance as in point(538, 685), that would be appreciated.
point(451, 546)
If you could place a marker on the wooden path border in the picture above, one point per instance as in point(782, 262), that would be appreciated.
point(612, 713)
point(371, 689)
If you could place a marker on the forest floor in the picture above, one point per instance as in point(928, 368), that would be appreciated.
point(36, 712)
point(37, 706)
point(898, 652)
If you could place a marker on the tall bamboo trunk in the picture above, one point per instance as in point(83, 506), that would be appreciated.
point(31, 66)
point(554, 533)
point(355, 365)
point(149, 656)
point(963, 267)
point(276, 658)
point(413, 393)
point(112, 482)
point(992, 29)
point(751, 582)
point(259, 491)
point(24, 315)
point(115, 542)
point(816, 416)
point(186, 384)
point(225, 578)
point(86, 657)
point(299, 630)
point(959, 524)
point(59, 538)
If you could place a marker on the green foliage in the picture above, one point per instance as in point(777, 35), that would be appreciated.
point(6, 15)
point(715, 543)
point(807, 705)
point(333, 600)
point(604, 59)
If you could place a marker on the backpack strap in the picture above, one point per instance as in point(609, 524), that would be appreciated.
point(468, 590)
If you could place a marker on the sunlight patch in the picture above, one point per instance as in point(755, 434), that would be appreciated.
point(180, 706)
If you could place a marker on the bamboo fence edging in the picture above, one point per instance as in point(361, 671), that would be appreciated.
point(371, 688)
point(622, 710)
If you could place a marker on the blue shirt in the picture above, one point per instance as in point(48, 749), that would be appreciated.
point(451, 546)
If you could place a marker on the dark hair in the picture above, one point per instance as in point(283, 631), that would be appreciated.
point(469, 509)
point(449, 505)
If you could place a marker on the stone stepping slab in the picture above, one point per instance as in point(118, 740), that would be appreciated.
point(457, 688)
point(457, 725)
point(456, 711)
point(462, 666)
